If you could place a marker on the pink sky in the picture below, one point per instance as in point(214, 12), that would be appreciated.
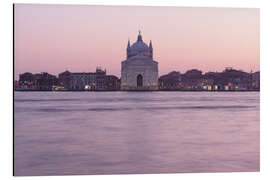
point(55, 38)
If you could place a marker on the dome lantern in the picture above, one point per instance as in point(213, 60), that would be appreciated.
point(139, 36)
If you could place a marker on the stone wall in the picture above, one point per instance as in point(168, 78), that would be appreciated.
point(134, 67)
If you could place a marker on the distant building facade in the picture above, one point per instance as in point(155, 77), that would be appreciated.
point(112, 83)
point(139, 71)
point(45, 81)
point(80, 81)
point(27, 81)
point(171, 81)
point(65, 79)
point(41, 81)
point(255, 80)
point(89, 81)
point(193, 80)
point(100, 79)
point(228, 80)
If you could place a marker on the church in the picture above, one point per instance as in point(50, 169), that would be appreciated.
point(139, 71)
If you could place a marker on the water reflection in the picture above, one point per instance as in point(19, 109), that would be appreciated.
point(133, 132)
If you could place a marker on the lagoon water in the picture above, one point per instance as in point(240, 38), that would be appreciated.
point(71, 133)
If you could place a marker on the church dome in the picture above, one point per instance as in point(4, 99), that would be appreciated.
point(139, 48)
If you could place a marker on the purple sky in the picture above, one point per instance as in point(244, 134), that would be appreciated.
point(55, 38)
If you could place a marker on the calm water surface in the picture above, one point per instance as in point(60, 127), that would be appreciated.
point(64, 133)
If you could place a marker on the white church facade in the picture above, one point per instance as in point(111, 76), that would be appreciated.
point(139, 71)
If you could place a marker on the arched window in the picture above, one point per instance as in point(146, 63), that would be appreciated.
point(139, 80)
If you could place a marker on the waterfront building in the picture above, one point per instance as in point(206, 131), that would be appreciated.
point(41, 81)
point(228, 80)
point(193, 80)
point(100, 79)
point(64, 79)
point(256, 80)
point(112, 83)
point(170, 81)
point(27, 81)
point(26, 77)
point(139, 71)
point(45, 81)
point(234, 80)
point(208, 84)
point(81, 80)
